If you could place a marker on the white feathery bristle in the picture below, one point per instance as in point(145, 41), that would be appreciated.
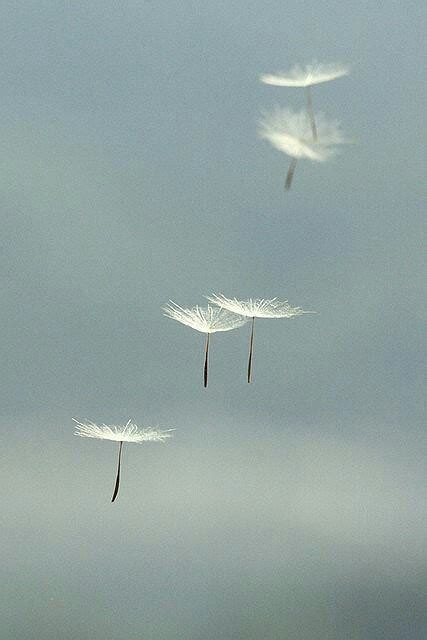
point(257, 307)
point(128, 432)
point(204, 319)
point(314, 73)
point(291, 133)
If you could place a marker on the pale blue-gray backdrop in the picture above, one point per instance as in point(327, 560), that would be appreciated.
point(131, 173)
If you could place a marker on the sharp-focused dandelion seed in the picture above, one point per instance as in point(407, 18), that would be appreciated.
point(290, 132)
point(256, 308)
point(129, 432)
point(206, 320)
point(307, 76)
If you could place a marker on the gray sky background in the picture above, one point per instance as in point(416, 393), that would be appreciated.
point(131, 173)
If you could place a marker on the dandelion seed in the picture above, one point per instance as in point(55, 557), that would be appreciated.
point(206, 320)
point(314, 73)
point(289, 132)
point(129, 432)
point(307, 76)
point(256, 308)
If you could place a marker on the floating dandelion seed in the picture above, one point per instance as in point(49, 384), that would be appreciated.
point(314, 73)
point(256, 308)
point(307, 76)
point(290, 132)
point(206, 320)
point(122, 433)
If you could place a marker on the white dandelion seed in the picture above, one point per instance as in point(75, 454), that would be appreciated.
point(289, 132)
point(314, 73)
point(206, 320)
point(128, 432)
point(256, 308)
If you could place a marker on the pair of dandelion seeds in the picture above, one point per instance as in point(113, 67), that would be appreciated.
point(302, 134)
point(225, 315)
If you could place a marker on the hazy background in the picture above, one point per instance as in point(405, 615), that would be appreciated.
point(131, 173)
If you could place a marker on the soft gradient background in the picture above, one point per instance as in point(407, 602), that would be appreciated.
point(131, 173)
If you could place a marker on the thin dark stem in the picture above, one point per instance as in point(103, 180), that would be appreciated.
point(205, 368)
point(116, 486)
point(290, 173)
point(311, 114)
point(251, 349)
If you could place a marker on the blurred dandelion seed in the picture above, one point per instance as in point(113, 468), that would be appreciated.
point(256, 308)
point(314, 73)
point(129, 432)
point(206, 320)
point(289, 132)
point(310, 74)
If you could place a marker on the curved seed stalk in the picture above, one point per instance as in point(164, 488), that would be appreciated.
point(206, 364)
point(290, 173)
point(251, 348)
point(311, 114)
point(116, 486)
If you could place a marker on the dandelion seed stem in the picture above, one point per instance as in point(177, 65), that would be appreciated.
point(251, 348)
point(311, 114)
point(116, 486)
point(205, 369)
point(290, 174)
